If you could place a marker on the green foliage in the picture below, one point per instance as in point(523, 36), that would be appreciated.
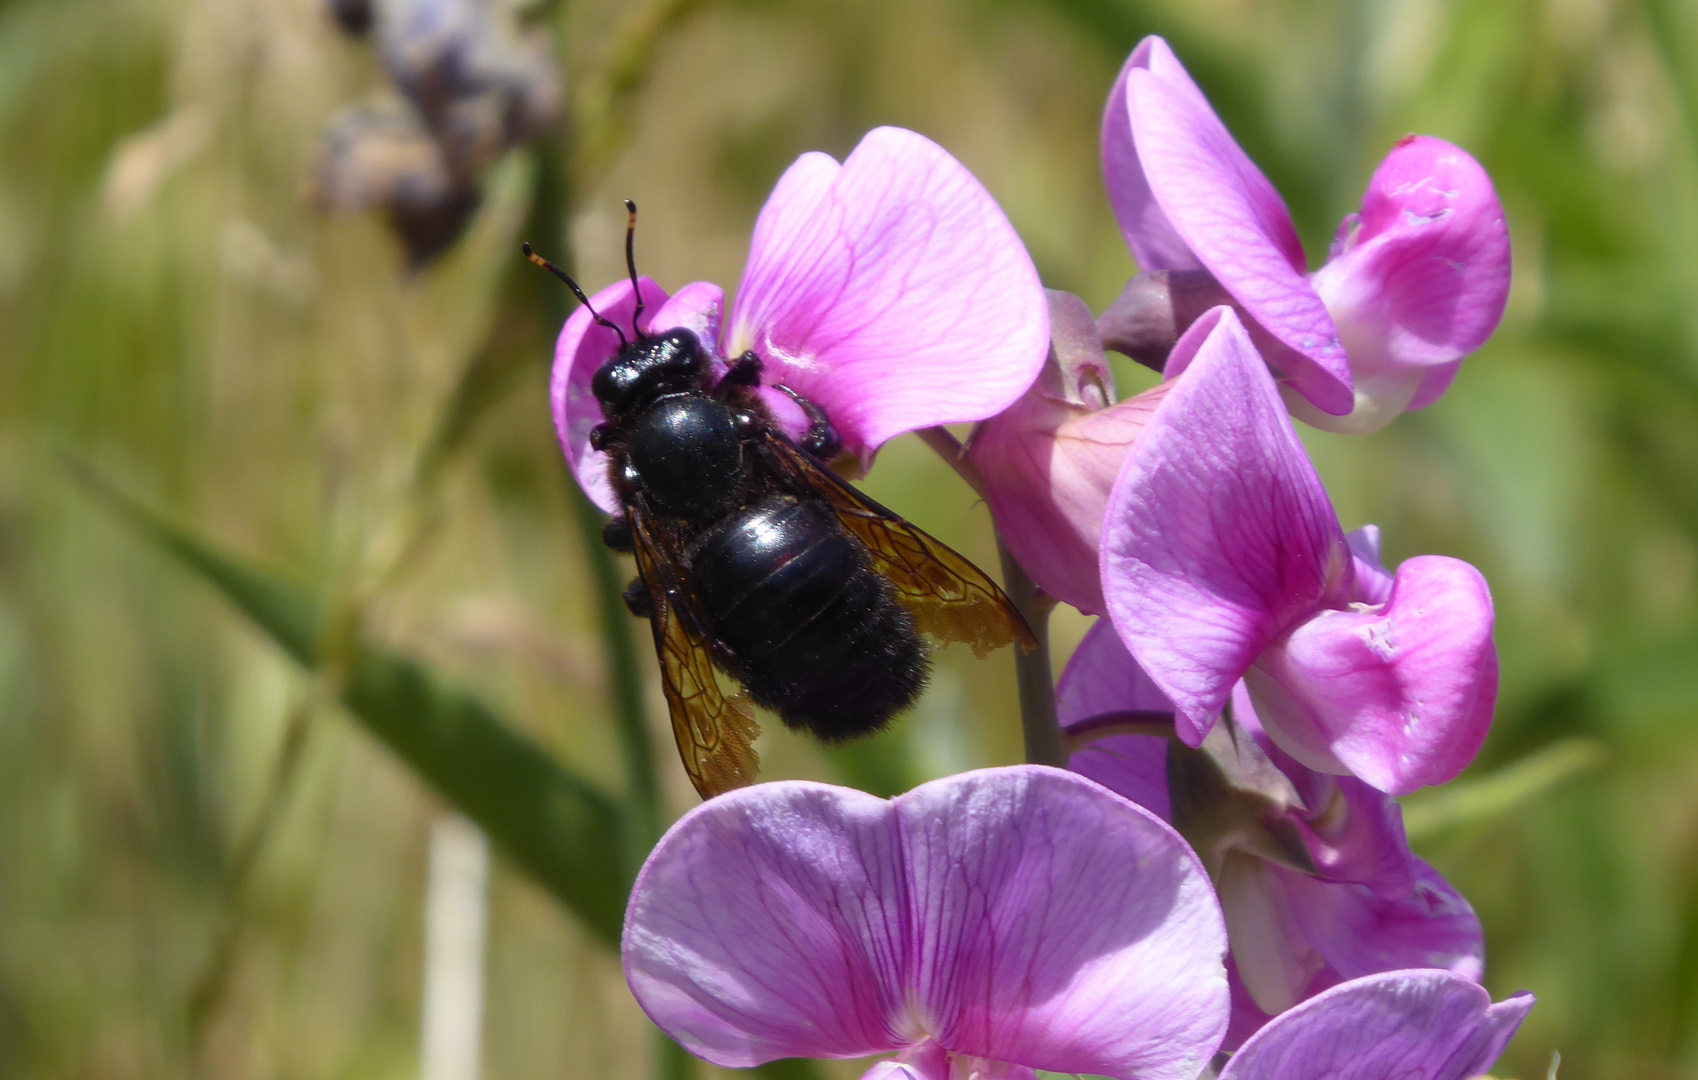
point(556, 826)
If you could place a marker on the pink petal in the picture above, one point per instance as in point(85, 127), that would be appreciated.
point(773, 922)
point(1359, 931)
point(1236, 226)
point(1062, 928)
point(1049, 460)
point(697, 307)
point(1421, 280)
point(1403, 1025)
point(1102, 678)
point(1023, 916)
point(1426, 274)
point(1218, 537)
point(1149, 234)
point(892, 291)
point(1271, 954)
point(929, 1061)
point(583, 347)
point(1401, 694)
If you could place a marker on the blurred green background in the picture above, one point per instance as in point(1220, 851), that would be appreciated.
point(206, 869)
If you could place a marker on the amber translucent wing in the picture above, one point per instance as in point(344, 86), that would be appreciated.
point(715, 730)
point(949, 597)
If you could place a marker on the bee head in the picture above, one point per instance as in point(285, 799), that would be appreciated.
point(647, 369)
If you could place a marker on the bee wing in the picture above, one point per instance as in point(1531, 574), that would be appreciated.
point(715, 731)
point(949, 597)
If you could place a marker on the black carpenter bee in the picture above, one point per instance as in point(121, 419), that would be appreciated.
point(755, 559)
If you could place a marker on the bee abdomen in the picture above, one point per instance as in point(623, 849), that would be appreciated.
point(816, 631)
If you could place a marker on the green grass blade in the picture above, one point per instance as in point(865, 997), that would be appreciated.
point(1494, 795)
point(556, 826)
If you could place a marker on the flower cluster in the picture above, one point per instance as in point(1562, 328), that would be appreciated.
point(1222, 865)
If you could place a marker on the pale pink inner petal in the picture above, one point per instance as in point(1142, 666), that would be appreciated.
point(893, 292)
point(1403, 1025)
point(1064, 928)
point(1400, 694)
point(1049, 459)
point(1218, 537)
point(1236, 225)
point(1373, 584)
point(1272, 956)
point(583, 347)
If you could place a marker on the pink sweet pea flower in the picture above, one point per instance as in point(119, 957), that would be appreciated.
point(1368, 906)
point(1049, 460)
point(1222, 559)
point(1416, 281)
point(986, 924)
point(889, 289)
point(1403, 1025)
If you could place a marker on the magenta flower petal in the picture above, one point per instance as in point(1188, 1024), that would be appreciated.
point(1402, 1025)
point(1235, 224)
point(1218, 538)
point(1022, 916)
point(1400, 694)
point(698, 307)
point(892, 291)
point(1101, 679)
point(583, 346)
point(1419, 279)
point(1359, 931)
point(1152, 238)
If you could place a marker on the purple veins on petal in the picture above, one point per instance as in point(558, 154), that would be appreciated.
point(1222, 560)
point(1020, 916)
point(1400, 1025)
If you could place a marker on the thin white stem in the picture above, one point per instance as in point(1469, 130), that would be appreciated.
point(456, 923)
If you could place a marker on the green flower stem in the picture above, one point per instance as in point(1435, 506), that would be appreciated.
point(626, 676)
point(1032, 674)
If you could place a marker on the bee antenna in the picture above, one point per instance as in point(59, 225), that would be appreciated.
point(579, 293)
point(631, 263)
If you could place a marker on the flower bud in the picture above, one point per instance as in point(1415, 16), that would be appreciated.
point(376, 157)
point(1155, 309)
point(1050, 459)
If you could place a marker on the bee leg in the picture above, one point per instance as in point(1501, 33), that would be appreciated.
point(743, 374)
point(637, 599)
point(616, 534)
point(821, 439)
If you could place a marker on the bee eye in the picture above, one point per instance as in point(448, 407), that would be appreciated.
point(615, 384)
